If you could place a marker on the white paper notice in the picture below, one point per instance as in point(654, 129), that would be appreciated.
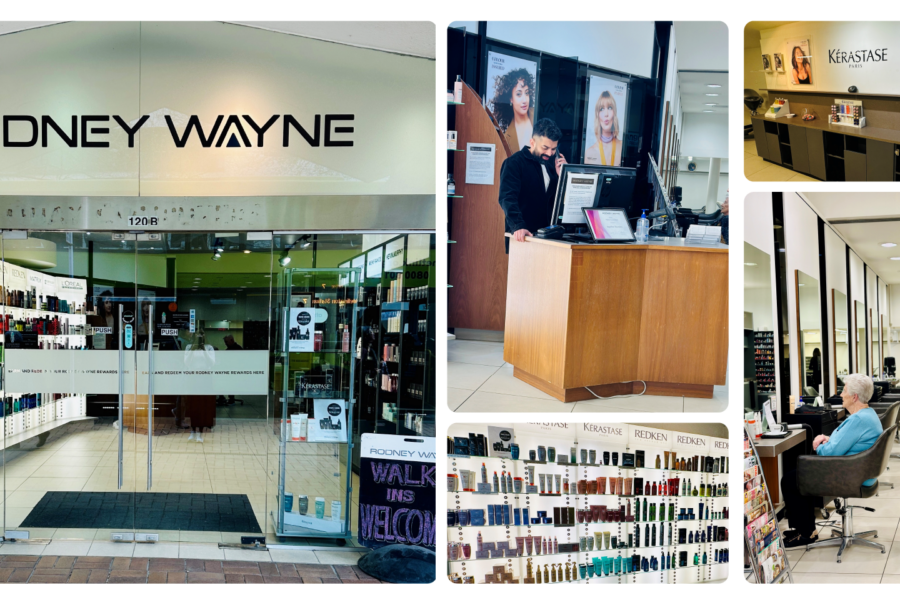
point(480, 164)
point(580, 191)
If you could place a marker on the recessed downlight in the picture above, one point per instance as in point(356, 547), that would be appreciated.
point(712, 94)
point(713, 85)
point(749, 264)
point(709, 111)
point(888, 245)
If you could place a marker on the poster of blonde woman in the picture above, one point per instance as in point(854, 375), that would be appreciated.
point(512, 89)
point(607, 107)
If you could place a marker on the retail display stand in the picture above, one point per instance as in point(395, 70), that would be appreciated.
point(574, 514)
point(779, 109)
point(764, 355)
point(765, 549)
point(315, 417)
point(39, 311)
point(848, 113)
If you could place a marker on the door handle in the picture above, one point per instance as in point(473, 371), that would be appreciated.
point(121, 392)
point(150, 399)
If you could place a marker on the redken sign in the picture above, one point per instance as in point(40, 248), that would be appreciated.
point(230, 131)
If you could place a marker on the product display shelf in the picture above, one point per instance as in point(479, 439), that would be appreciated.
point(17, 427)
point(768, 562)
point(571, 533)
point(764, 355)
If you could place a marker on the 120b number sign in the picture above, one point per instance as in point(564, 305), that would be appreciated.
point(143, 221)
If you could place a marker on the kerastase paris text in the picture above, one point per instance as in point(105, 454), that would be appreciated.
point(855, 58)
point(92, 131)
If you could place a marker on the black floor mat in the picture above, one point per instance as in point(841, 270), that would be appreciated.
point(146, 510)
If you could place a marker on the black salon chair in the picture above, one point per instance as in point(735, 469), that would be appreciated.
point(752, 100)
point(889, 413)
point(843, 477)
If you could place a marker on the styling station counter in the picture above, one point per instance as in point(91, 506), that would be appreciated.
point(829, 152)
point(614, 317)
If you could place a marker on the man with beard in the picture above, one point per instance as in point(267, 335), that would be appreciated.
point(528, 181)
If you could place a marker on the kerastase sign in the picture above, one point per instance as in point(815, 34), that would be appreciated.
point(396, 491)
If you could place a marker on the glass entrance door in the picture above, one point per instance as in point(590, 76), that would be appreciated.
point(70, 459)
point(136, 385)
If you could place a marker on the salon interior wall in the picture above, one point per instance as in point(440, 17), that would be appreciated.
point(802, 246)
point(209, 69)
point(704, 135)
point(754, 75)
point(758, 220)
point(894, 313)
point(857, 294)
point(872, 78)
point(694, 184)
point(836, 279)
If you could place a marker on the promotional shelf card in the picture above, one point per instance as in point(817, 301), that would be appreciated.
point(499, 439)
point(301, 330)
point(329, 422)
point(480, 163)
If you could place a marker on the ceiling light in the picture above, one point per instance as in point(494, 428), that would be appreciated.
point(712, 94)
point(749, 264)
point(284, 260)
point(220, 250)
point(712, 104)
point(709, 111)
point(801, 284)
point(888, 245)
point(713, 85)
point(304, 242)
point(895, 258)
point(246, 252)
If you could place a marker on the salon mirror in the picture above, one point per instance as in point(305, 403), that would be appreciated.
point(840, 345)
point(876, 347)
point(884, 340)
point(860, 326)
point(759, 328)
point(809, 324)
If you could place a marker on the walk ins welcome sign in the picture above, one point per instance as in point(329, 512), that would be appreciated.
point(396, 491)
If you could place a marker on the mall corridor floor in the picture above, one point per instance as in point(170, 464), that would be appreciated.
point(479, 380)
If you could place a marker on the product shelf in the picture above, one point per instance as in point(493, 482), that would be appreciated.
point(465, 560)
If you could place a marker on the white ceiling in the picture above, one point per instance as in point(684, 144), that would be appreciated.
point(701, 45)
point(412, 38)
point(863, 235)
point(694, 87)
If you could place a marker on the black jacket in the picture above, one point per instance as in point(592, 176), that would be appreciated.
point(522, 196)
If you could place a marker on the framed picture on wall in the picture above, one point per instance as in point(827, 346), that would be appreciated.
point(779, 62)
point(767, 63)
point(799, 61)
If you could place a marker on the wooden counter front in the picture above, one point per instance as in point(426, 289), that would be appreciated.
point(610, 317)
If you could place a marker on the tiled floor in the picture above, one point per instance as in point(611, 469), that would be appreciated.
point(480, 381)
point(80, 569)
point(859, 564)
point(757, 169)
point(240, 456)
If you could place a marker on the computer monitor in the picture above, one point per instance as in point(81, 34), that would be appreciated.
point(591, 186)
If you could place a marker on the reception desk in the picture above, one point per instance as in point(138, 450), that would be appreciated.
point(613, 317)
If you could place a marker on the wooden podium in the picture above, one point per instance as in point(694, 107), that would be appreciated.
point(610, 317)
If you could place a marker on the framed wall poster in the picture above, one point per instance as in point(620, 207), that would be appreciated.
point(799, 61)
point(606, 111)
point(767, 63)
point(779, 62)
point(511, 95)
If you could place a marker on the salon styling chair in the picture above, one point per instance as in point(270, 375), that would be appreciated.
point(843, 477)
point(752, 100)
point(888, 412)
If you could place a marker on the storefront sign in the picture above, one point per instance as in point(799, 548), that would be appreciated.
point(329, 422)
point(612, 432)
point(644, 436)
point(396, 490)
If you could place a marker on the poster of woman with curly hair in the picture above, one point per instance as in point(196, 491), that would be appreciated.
point(512, 89)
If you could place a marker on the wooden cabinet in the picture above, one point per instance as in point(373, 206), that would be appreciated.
point(774, 147)
point(799, 150)
point(759, 136)
point(815, 149)
point(879, 161)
